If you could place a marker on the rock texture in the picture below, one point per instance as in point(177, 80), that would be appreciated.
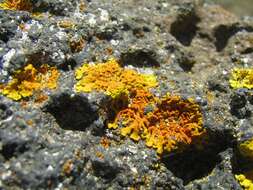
point(61, 140)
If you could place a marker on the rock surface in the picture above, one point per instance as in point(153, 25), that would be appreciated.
point(63, 141)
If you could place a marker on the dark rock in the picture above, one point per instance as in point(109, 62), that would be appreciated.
point(107, 33)
point(167, 181)
point(139, 57)
point(185, 60)
point(62, 8)
point(222, 34)
point(184, 28)
point(72, 112)
point(64, 142)
point(105, 168)
point(216, 85)
point(5, 112)
point(239, 106)
point(221, 177)
point(190, 166)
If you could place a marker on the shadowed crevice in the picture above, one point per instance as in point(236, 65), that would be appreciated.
point(223, 33)
point(184, 28)
point(72, 113)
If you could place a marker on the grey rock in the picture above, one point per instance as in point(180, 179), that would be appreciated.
point(64, 142)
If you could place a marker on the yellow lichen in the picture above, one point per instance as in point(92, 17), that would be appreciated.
point(105, 142)
point(21, 5)
point(29, 80)
point(242, 78)
point(246, 148)
point(111, 79)
point(66, 24)
point(164, 124)
point(246, 180)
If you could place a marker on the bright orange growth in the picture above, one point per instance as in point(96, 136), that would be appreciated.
point(165, 124)
point(29, 80)
point(21, 5)
point(105, 142)
point(112, 79)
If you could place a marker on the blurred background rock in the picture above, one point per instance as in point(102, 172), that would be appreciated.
point(239, 7)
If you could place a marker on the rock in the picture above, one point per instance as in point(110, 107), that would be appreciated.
point(239, 105)
point(184, 27)
point(72, 112)
point(60, 139)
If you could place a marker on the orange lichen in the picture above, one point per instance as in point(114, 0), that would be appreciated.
point(105, 142)
point(21, 5)
point(165, 124)
point(40, 98)
point(100, 155)
point(112, 79)
point(29, 80)
point(67, 167)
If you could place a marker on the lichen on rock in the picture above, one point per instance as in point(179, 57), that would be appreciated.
point(165, 124)
point(21, 5)
point(245, 180)
point(242, 78)
point(246, 148)
point(111, 79)
point(30, 79)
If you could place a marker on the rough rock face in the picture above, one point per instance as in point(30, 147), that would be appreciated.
point(59, 139)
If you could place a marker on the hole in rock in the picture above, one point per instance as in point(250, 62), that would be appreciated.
point(191, 165)
point(105, 169)
point(140, 58)
point(186, 62)
point(184, 28)
point(248, 50)
point(5, 112)
point(195, 164)
point(241, 163)
point(12, 149)
point(72, 113)
point(223, 33)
